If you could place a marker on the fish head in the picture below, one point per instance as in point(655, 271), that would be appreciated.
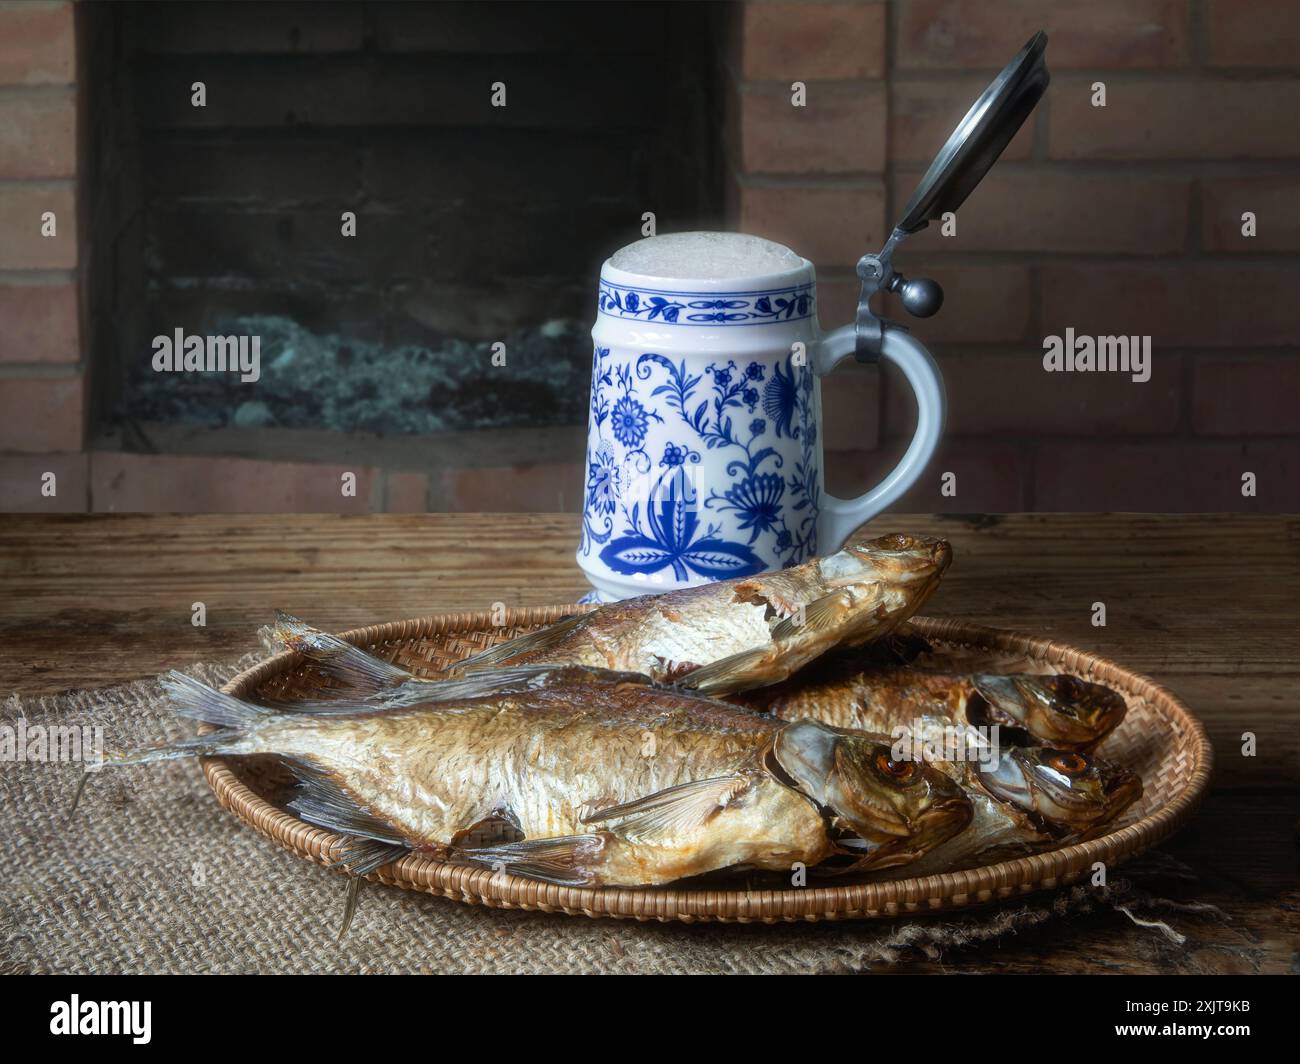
point(897, 559)
point(1061, 711)
point(889, 577)
point(883, 811)
point(1073, 792)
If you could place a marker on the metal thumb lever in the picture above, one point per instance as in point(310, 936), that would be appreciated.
point(921, 297)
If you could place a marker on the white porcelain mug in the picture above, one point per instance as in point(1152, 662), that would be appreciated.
point(704, 449)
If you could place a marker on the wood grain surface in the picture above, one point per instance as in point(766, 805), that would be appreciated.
point(1207, 605)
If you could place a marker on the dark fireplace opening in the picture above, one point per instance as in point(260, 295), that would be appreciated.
point(475, 225)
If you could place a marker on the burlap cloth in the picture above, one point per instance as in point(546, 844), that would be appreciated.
point(151, 875)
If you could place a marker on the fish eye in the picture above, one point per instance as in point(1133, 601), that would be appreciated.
point(895, 770)
point(1068, 686)
point(1068, 763)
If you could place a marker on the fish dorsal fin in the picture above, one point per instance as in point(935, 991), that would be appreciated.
point(666, 813)
point(360, 674)
point(322, 800)
point(528, 643)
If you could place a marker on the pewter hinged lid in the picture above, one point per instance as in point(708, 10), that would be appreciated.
point(979, 138)
point(971, 149)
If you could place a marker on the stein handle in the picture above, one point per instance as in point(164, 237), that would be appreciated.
point(839, 517)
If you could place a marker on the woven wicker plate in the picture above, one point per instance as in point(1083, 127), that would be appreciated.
point(1159, 739)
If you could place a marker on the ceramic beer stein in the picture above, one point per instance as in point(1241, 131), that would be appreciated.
point(704, 446)
point(704, 450)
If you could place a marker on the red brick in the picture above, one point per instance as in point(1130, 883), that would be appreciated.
point(39, 46)
point(923, 113)
point(1254, 33)
point(152, 483)
point(21, 483)
point(539, 488)
point(1194, 119)
point(851, 408)
point(41, 414)
point(1275, 202)
point(1012, 394)
point(1189, 306)
point(982, 304)
point(833, 225)
point(40, 323)
point(21, 245)
point(406, 493)
point(38, 135)
point(990, 476)
point(1107, 34)
point(810, 42)
point(1055, 212)
point(837, 132)
point(1246, 396)
point(1166, 477)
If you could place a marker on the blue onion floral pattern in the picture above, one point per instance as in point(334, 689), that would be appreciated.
point(629, 422)
point(780, 400)
point(792, 303)
point(756, 501)
point(671, 537)
point(643, 510)
point(602, 480)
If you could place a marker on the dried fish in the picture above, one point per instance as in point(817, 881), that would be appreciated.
point(611, 779)
point(734, 635)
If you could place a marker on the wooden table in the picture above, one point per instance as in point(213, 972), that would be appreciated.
point(1208, 605)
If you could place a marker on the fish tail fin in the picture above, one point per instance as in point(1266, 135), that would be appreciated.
point(223, 741)
point(361, 674)
point(194, 700)
point(529, 643)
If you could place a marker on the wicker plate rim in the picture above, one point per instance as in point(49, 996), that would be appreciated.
point(933, 893)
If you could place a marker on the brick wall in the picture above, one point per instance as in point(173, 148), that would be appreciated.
point(1122, 220)
point(1115, 220)
point(41, 380)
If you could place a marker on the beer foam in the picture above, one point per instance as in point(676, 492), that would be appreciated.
point(705, 257)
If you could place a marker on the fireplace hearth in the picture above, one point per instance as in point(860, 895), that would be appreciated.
point(411, 258)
